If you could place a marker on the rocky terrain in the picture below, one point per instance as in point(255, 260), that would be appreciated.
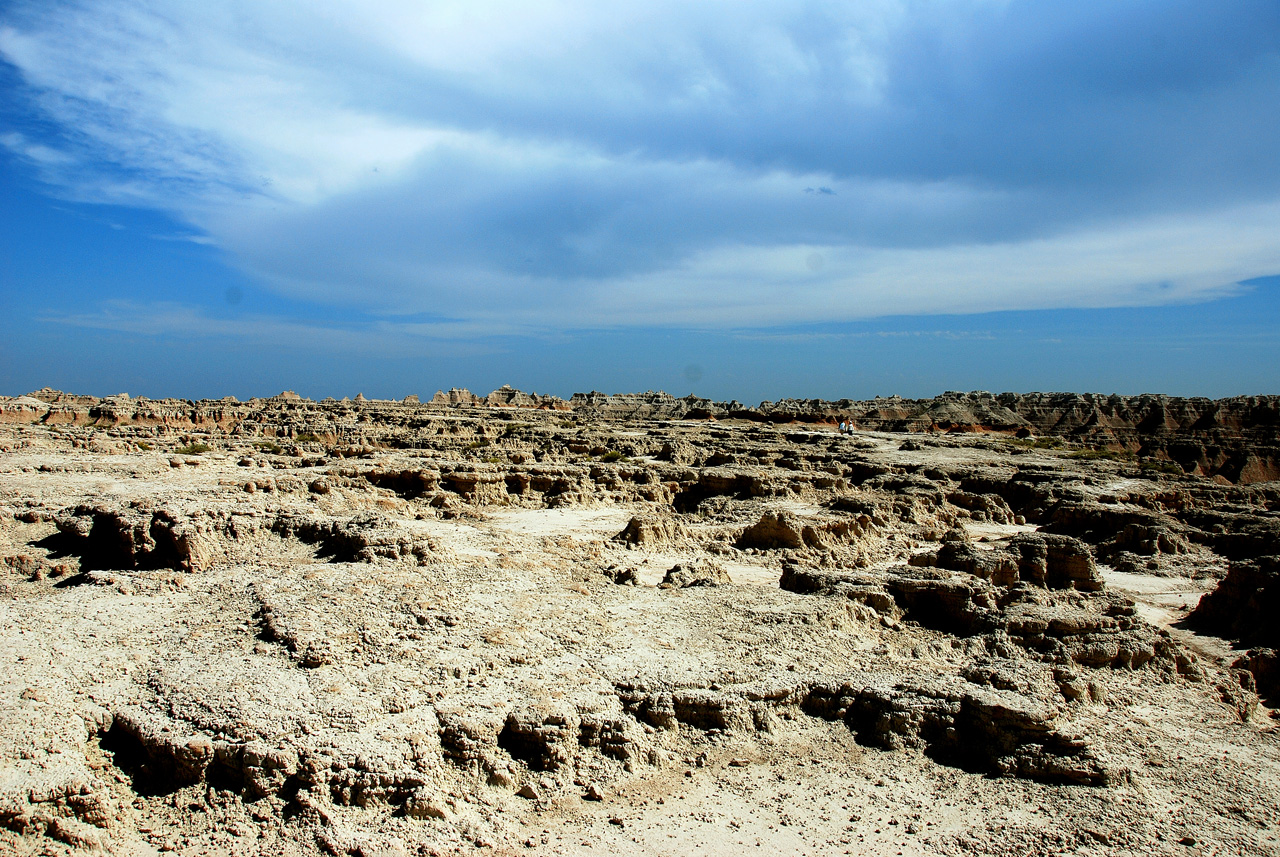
point(1230, 440)
point(1010, 624)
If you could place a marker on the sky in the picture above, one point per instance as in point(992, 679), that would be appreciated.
point(739, 200)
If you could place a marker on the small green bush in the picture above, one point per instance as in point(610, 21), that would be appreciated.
point(193, 449)
point(307, 437)
point(269, 446)
point(144, 446)
point(613, 455)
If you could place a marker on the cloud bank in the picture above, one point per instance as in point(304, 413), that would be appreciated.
point(572, 164)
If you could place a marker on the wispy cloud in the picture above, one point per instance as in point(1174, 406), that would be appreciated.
point(810, 336)
point(378, 337)
point(188, 238)
point(572, 164)
point(37, 153)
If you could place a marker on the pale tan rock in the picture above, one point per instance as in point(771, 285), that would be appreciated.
point(408, 636)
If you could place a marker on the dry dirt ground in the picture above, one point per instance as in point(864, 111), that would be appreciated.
point(722, 640)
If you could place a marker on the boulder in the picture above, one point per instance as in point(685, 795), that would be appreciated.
point(652, 532)
point(684, 575)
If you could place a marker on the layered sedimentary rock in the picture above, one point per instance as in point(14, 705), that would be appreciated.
point(355, 627)
point(1245, 607)
point(1236, 440)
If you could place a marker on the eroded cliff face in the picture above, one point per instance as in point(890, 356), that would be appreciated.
point(369, 627)
point(1233, 440)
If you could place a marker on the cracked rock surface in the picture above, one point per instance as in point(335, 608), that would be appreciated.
point(528, 625)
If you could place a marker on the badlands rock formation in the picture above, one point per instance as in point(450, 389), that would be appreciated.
point(638, 624)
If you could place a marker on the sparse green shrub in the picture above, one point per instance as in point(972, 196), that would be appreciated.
point(193, 449)
point(493, 459)
point(144, 446)
point(269, 446)
point(613, 455)
point(307, 437)
point(478, 444)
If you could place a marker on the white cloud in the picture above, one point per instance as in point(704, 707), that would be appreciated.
point(35, 152)
point(1151, 262)
point(641, 163)
point(383, 338)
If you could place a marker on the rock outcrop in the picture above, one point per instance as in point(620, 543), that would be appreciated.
point(1245, 607)
point(707, 573)
point(1236, 440)
point(1041, 559)
point(365, 626)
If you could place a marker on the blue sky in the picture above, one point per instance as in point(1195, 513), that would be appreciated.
point(743, 200)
